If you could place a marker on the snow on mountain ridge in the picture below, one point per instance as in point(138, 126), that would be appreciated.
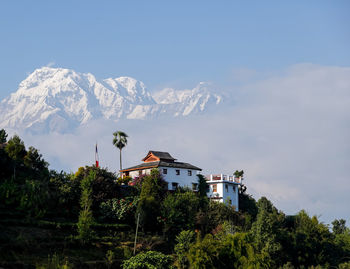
point(188, 101)
point(58, 99)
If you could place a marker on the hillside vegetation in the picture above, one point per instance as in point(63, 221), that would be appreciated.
point(51, 219)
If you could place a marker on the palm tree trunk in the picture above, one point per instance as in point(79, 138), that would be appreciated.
point(120, 158)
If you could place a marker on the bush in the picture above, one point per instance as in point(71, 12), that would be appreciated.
point(345, 265)
point(65, 192)
point(230, 251)
point(179, 211)
point(183, 242)
point(149, 260)
point(218, 213)
point(85, 216)
point(119, 209)
point(153, 190)
point(124, 180)
point(104, 186)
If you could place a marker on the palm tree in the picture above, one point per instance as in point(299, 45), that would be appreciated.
point(120, 141)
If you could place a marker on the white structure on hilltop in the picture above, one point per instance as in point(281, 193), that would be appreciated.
point(224, 188)
point(221, 188)
point(177, 174)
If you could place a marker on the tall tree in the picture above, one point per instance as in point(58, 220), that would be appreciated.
point(85, 217)
point(16, 151)
point(153, 190)
point(120, 141)
point(266, 231)
point(3, 136)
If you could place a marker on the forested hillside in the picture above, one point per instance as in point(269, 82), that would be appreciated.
point(88, 219)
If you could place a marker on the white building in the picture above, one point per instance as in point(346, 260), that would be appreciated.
point(224, 188)
point(177, 174)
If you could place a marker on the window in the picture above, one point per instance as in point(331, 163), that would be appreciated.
point(194, 186)
point(226, 187)
point(165, 171)
point(177, 172)
point(189, 172)
point(215, 187)
point(140, 172)
point(174, 185)
point(234, 188)
point(207, 189)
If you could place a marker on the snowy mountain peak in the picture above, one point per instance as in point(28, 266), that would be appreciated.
point(131, 89)
point(59, 99)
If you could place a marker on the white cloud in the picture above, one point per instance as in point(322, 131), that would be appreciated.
point(51, 64)
point(289, 133)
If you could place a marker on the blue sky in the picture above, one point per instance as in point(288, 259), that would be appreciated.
point(165, 43)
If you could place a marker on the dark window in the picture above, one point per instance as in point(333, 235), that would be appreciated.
point(165, 171)
point(194, 186)
point(234, 188)
point(226, 187)
point(140, 172)
point(177, 172)
point(174, 185)
point(189, 172)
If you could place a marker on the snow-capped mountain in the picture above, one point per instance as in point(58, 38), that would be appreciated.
point(58, 99)
point(185, 102)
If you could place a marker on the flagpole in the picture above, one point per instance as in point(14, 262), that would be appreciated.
point(96, 156)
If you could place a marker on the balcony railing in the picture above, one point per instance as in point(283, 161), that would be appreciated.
point(224, 178)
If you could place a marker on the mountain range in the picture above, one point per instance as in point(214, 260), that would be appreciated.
point(59, 100)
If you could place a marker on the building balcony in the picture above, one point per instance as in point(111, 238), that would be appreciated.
point(222, 177)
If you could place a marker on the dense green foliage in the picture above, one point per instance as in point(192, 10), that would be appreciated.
point(179, 212)
point(119, 209)
point(148, 260)
point(152, 192)
point(183, 243)
point(87, 219)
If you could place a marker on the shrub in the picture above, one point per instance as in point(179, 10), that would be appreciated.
point(345, 265)
point(123, 180)
point(85, 217)
point(179, 211)
point(103, 187)
point(118, 209)
point(148, 260)
point(183, 242)
point(152, 193)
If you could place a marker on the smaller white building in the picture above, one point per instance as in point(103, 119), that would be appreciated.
point(224, 188)
point(177, 174)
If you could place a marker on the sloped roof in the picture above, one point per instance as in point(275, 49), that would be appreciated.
point(161, 164)
point(161, 155)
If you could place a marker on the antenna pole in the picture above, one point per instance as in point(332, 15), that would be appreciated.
point(137, 228)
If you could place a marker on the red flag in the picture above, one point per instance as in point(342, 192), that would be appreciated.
point(96, 157)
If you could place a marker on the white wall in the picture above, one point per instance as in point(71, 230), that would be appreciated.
point(223, 193)
point(183, 179)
